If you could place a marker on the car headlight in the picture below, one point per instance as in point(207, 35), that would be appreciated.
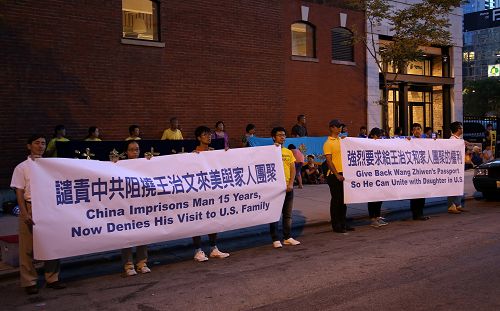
point(481, 172)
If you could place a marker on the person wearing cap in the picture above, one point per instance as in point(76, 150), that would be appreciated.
point(335, 180)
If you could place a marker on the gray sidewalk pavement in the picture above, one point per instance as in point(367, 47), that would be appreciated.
point(311, 207)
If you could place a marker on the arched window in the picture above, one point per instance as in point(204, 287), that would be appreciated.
point(342, 45)
point(303, 39)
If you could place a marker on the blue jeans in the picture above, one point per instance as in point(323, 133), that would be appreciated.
point(287, 219)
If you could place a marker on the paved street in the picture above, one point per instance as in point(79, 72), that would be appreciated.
point(447, 263)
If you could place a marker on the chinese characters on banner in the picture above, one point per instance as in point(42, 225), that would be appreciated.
point(396, 169)
point(82, 206)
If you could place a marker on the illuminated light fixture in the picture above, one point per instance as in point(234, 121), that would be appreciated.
point(139, 26)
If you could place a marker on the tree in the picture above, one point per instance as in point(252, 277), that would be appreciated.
point(417, 25)
point(482, 97)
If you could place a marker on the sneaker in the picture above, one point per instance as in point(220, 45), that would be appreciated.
point(56, 285)
point(375, 224)
point(453, 209)
point(200, 256)
point(461, 209)
point(216, 253)
point(277, 244)
point(291, 241)
point(144, 269)
point(382, 222)
point(130, 271)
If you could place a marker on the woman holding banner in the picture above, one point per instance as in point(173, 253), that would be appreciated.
point(204, 137)
point(132, 151)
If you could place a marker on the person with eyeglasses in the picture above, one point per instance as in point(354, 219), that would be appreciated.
point(278, 135)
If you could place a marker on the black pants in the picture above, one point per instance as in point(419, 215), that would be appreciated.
point(374, 209)
point(338, 209)
point(417, 207)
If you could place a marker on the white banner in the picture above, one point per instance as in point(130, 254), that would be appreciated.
point(396, 169)
point(82, 206)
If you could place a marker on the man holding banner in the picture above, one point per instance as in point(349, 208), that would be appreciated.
point(21, 183)
point(335, 179)
point(417, 205)
point(279, 134)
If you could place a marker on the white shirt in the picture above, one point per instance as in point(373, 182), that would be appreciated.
point(21, 178)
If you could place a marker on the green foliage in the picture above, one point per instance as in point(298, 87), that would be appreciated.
point(421, 24)
point(482, 97)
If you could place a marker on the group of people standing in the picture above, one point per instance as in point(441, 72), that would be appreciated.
point(37, 147)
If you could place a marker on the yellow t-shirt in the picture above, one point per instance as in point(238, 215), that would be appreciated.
point(92, 139)
point(332, 146)
point(52, 145)
point(172, 135)
point(288, 161)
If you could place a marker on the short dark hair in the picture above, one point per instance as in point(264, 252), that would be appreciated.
point(200, 130)
point(300, 116)
point(34, 137)
point(132, 128)
point(291, 146)
point(455, 126)
point(427, 128)
point(250, 127)
point(92, 130)
point(375, 132)
point(173, 119)
point(219, 122)
point(362, 128)
point(398, 130)
point(414, 125)
point(277, 129)
point(127, 144)
point(58, 128)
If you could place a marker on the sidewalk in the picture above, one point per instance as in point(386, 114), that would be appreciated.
point(311, 207)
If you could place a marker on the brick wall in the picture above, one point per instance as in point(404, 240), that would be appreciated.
point(64, 63)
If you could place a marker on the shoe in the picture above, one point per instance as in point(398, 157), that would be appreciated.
point(375, 224)
point(291, 241)
point(453, 209)
point(200, 256)
point(216, 253)
point(382, 222)
point(348, 228)
point(31, 290)
point(130, 271)
point(56, 285)
point(422, 218)
point(339, 230)
point(144, 269)
point(462, 209)
point(277, 244)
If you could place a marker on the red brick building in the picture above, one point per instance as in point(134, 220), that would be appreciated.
point(85, 63)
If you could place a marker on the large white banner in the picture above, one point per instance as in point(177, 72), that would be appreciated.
point(396, 169)
point(82, 207)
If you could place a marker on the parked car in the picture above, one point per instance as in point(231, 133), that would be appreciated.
point(487, 178)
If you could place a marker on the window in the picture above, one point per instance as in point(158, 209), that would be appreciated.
point(342, 45)
point(420, 67)
point(140, 20)
point(303, 39)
